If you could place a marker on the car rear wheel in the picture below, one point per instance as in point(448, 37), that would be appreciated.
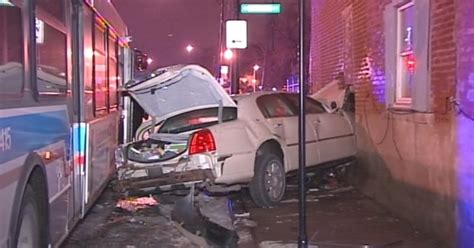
point(29, 226)
point(268, 184)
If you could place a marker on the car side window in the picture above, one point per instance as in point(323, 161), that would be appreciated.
point(312, 106)
point(273, 106)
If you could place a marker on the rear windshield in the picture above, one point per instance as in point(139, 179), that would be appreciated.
point(196, 119)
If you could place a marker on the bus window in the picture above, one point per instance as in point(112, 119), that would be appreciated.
point(11, 53)
point(88, 63)
point(113, 80)
point(51, 48)
point(100, 67)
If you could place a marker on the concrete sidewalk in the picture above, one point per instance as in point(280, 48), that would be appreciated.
point(342, 217)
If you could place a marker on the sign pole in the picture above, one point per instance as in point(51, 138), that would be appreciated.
point(302, 238)
point(235, 86)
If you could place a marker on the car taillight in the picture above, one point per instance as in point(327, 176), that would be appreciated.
point(202, 141)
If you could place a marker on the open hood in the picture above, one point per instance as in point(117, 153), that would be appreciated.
point(330, 93)
point(178, 89)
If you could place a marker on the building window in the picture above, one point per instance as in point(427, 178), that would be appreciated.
point(406, 58)
point(407, 54)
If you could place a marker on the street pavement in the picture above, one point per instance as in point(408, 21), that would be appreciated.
point(337, 216)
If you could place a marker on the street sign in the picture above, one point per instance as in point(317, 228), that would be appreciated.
point(236, 34)
point(260, 8)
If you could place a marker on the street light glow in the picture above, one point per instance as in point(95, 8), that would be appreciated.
point(256, 67)
point(189, 48)
point(149, 60)
point(228, 54)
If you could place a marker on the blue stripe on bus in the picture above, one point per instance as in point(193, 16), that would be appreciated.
point(31, 132)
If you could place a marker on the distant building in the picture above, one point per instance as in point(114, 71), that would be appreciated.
point(411, 64)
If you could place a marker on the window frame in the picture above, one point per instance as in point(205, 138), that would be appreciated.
point(60, 26)
point(421, 98)
point(17, 96)
point(261, 102)
point(401, 101)
point(97, 24)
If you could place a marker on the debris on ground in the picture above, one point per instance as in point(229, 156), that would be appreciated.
point(134, 204)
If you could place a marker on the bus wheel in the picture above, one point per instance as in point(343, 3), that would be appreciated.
point(29, 226)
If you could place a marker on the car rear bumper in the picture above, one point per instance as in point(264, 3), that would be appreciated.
point(166, 182)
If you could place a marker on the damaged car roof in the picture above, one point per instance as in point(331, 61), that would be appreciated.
point(178, 89)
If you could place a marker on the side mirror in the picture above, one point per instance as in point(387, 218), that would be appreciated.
point(141, 62)
point(333, 105)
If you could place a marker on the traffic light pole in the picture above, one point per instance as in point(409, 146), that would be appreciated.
point(302, 238)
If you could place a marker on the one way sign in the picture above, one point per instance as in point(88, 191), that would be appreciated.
point(236, 34)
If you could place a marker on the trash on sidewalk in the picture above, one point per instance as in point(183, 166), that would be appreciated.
point(134, 204)
point(343, 189)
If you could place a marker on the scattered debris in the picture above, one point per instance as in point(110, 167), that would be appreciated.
point(134, 204)
point(343, 189)
point(290, 201)
point(242, 215)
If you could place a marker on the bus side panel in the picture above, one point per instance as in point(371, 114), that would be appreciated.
point(49, 139)
point(100, 162)
point(9, 178)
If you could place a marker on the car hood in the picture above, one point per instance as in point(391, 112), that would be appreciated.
point(330, 93)
point(174, 90)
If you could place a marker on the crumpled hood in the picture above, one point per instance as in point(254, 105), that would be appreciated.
point(178, 89)
point(330, 93)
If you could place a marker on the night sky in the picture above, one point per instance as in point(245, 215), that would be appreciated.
point(163, 29)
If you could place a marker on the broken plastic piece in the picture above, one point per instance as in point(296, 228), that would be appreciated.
point(134, 204)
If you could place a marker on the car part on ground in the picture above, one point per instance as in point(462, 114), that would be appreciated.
point(189, 216)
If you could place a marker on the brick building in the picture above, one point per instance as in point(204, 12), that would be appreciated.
point(411, 64)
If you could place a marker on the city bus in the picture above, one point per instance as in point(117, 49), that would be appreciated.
point(61, 65)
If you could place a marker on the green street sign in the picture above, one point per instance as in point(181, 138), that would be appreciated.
point(260, 8)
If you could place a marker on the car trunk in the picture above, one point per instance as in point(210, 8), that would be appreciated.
point(159, 147)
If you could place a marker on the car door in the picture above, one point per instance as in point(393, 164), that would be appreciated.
point(282, 117)
point(312, 110)
point(335, 136)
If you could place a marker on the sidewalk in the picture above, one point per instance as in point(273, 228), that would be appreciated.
point(335, 218)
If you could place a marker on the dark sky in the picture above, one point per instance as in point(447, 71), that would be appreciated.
point(163, 29)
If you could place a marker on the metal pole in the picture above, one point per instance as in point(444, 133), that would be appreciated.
point(302, 238)
point(235, 83)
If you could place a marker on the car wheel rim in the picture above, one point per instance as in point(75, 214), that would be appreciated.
point(27, 233)
point(274, 181)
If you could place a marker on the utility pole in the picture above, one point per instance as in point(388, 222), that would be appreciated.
point(235, 82)
point(302, 238)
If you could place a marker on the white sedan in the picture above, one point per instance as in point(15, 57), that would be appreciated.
point(200, 135)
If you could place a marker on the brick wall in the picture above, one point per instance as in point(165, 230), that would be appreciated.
point(407, 162)
point(443, 56)
point(326, 50)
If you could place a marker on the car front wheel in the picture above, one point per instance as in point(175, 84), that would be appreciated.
point(268, 184)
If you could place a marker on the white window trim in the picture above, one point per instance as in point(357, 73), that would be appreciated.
point(421, 87)
point(401, 102)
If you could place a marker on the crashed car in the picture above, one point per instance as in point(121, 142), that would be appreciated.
point(198, 134)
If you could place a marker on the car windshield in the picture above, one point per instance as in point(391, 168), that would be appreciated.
point(196, 119)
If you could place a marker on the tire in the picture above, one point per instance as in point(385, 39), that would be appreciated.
point(28, 233)
point(269, 181)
